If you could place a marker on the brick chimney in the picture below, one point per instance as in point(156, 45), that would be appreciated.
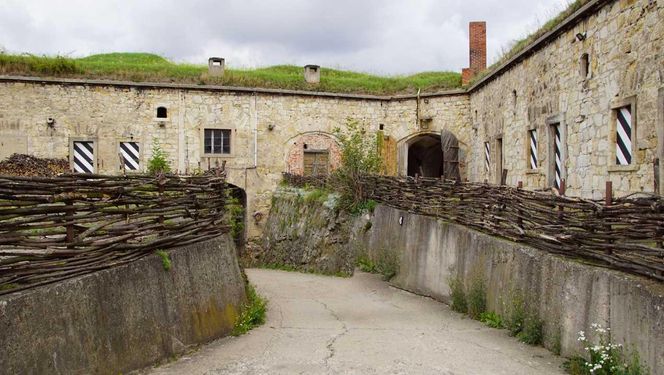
point(477, 37)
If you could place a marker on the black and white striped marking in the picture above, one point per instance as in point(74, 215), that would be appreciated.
point(624, 136)
point(84, 157)
point(557, 147)
point(487, 156)
point(533, 149)
point(130, 155)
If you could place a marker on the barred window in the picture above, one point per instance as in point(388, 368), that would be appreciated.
point(217, 141)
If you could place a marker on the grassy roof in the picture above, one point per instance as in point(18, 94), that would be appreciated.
point(145, 67)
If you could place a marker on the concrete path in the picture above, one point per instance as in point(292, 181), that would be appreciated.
point(328, 325)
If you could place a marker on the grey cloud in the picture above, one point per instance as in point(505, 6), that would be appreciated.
point(389, 37)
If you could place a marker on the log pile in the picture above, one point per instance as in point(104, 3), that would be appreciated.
point(26, 165)
point(53, 228)
point(626, 234)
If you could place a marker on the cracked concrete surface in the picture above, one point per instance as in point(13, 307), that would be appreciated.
point(360, 325)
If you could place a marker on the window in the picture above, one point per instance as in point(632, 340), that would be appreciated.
point(532, 154)
point(500, 172)
point(623, 135)
point(556, 162)
point(162, 112)
point(217, 141)
point(130, 155)
point(487, 157)
point(584, 66)
point(83, 160)
point(316, 162)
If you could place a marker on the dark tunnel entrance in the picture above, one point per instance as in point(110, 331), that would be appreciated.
point(433, 155)
point(425, 157)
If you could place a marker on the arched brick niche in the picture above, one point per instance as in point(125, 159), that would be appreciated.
point(313, 154)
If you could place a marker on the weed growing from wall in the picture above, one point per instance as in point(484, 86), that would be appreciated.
point(253, 313)
point(386, 263)
point(158, 163)
point(521, 322)
point(533, 330)
point(516, 312)
point(477, 297)
point(458, 295)
point(604, 357)
point(165, 259)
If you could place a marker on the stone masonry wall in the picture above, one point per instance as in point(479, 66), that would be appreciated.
point(624, 41)
point(109, 114)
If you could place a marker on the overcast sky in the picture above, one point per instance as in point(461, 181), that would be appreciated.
point(377, 36)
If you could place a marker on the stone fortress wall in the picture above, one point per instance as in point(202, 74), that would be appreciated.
point(270, 128)
point(579, 82)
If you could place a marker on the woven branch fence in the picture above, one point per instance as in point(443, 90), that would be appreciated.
point(53, 228)
point(625, 234)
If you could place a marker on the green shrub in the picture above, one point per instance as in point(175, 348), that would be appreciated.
point(158, 163)
point(492, 319)
point(458, 295)
point(387, 264)
point(235, 212)
point(477, 297)
point(359, 156)
point(253, 313)
point(366, 265)
point(165, 259)
point(516, 313)
point(533, 330)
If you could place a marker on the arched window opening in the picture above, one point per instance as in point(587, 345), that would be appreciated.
point(162, 112)
point(584, 66)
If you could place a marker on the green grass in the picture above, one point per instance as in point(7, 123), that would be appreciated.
point(146, 67)
point(253, 313)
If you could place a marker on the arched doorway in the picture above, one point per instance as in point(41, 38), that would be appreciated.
point(425, 158)
point(433, 155)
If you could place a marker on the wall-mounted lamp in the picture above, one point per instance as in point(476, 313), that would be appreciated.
point(581, 36)
point(270, 127)
point(50, 122)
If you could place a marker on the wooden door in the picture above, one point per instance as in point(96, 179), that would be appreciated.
point(316, 163)
point(450, 148)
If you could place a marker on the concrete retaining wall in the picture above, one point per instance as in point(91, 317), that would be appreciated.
point(123, 318)
point(567, 294)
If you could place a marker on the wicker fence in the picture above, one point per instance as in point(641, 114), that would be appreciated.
point(53, 228)
point(621, 233)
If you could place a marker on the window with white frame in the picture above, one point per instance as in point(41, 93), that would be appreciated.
point(217, 141)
